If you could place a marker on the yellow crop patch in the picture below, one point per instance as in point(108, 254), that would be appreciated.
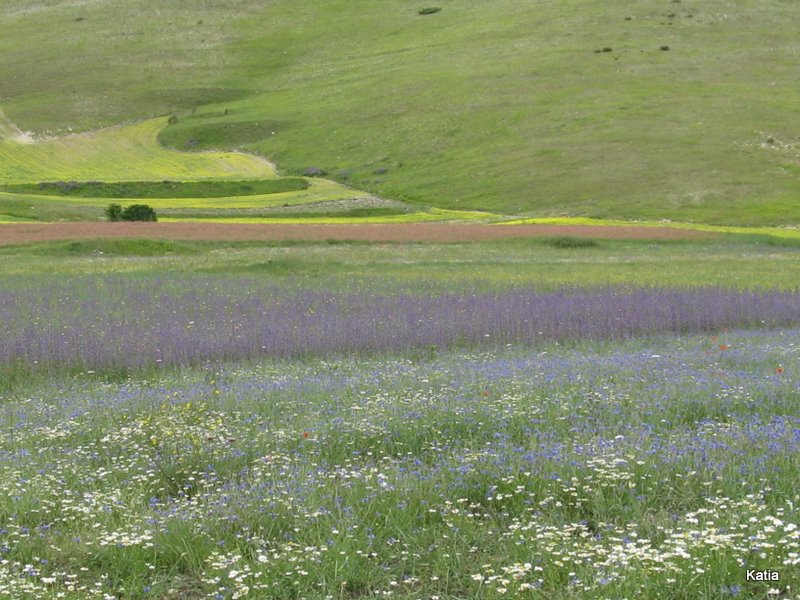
point(13, 219)
point(128, 153)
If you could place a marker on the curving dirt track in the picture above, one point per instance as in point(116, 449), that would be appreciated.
point(23, 233)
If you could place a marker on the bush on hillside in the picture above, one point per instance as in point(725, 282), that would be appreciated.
point(429, 11)
point(114, 212)
point(134, 212)
point(139, 212)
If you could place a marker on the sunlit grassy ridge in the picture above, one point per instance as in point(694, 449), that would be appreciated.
point(503, 106)
point(128, 153)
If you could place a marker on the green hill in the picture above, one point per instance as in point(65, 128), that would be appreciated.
point(658, 109)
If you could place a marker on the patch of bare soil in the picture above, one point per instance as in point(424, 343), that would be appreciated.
point(23, 233)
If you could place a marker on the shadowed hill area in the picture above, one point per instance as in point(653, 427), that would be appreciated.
point(657, 109)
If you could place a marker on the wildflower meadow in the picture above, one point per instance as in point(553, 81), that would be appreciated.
point(282, 442)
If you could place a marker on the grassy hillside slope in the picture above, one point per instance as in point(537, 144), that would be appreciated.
point(508, 105)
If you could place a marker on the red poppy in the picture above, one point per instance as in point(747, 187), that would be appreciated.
point(723, 346)
point(305, 435)
point(779, 370)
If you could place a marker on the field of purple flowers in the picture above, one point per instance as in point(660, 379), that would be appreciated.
point(127, 325)
point(664, 467)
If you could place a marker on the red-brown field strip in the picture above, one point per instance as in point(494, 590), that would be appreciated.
point(23, 233)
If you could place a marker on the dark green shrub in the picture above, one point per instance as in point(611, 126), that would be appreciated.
point(139, 212)
point(114, 212)
point(173, 119)
point(429, 11)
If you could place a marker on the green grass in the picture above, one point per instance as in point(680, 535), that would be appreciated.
point(116, 247)
point(159, 189)
point(566, 241)
point(736, 261)
point(784, 233)
point(501, 106)
point(16, 207)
